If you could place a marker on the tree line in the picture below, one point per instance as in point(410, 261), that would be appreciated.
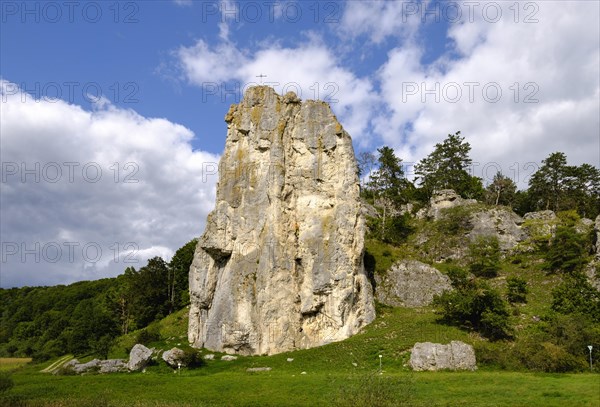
point(85, 317)
point(555, 185)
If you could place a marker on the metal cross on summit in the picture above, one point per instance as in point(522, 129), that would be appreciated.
point(261, 76)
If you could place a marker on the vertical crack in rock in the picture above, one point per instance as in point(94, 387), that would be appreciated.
point(280, 264)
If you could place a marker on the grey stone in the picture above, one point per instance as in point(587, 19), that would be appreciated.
point(540, 215)
point(597, 229)
point(410, 283)
point(442, 199)
point(139, 357)
point(258, 369)
point(434, 356)
point(500, 222)
point(279, 266)
point(210, 356)
point(113, 366)
point(228, 358)
point(97, 366)
point(173, 357)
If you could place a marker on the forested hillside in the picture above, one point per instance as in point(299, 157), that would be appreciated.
point(85, 317)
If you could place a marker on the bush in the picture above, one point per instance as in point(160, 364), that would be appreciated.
point(6, 382)
point(575, 295)
point(484, 256)
point(148, 335)
point(548, 357)
point(191, 359)
point(516, 289)
point(478, 306)
point(455, 221)
point(567, 251)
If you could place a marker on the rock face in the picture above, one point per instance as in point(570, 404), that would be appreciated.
point(434, 356)
point(410, 283)
point(597, 228)
point(443, 199)
point(540, 215)
point(139, 357)
point(280, 264)
point(502, 223)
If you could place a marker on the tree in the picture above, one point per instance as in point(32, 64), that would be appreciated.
point(567, 251)
point(501, 191)
point(389, 185)
point(476, 305)
point(516, 288)
point(484, 256)
point(558, 186)
point(577, 296)
point(366, 162)
point(546, 186)
point(179, 270)
point(446, 168)
point(582, 190)
point(150, 292)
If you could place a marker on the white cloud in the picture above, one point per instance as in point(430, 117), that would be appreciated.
point(381, 19)
point(311, 70)
point(555, 61)
point(108, 179)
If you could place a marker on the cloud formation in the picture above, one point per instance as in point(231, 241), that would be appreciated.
point(83, 191)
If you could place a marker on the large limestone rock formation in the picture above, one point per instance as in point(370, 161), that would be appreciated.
point(280, 264)
point(410, 283)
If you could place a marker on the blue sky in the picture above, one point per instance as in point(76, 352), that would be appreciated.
point(519, 79)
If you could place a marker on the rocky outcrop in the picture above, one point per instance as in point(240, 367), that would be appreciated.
point(174, 357)
point(434, 356)
point(500, 222)
point(279, 266)
point(139, 357)
point(410, 283)
point(540, 215)
point(597, 229)
point(442, 199)
point(96, 366)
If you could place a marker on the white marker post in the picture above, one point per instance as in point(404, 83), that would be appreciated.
point(590, 347)
point(380, 371)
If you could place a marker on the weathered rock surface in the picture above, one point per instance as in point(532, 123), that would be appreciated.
point(279, 266)
point(540, 215)
point(228, 358)
point(173, 357)
point(410, 283)
point(443, 199)
point(97, 366)
point(597, 228)
point(139, 357)
point(434, 356)
point(502, 223)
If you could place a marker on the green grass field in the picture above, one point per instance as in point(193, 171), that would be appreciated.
point(338, 374)
point(232, 386)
